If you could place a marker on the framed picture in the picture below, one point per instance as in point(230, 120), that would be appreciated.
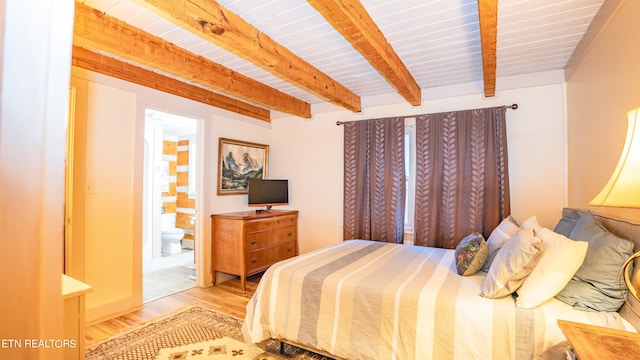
point(239, 161)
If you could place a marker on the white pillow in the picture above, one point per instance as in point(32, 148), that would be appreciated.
point(531, 223)
point(507, 228)
point(515, 260)
point(561, 259)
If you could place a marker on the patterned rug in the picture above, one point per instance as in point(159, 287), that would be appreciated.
point(218, 349)
point(193, 333)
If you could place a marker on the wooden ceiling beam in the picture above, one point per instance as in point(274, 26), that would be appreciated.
point(123, 40)
point(102, 64)
point(351, 19)
point(212, 22)
point(488, 16)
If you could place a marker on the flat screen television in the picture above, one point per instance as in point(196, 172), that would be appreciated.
point(268, 192)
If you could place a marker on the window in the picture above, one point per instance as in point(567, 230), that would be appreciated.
point(410, 165)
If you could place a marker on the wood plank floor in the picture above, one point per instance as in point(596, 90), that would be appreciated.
point(226, 297)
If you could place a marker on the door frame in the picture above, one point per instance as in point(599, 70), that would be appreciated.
point(199, 243)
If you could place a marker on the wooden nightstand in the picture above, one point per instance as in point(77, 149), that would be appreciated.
point(591, 342)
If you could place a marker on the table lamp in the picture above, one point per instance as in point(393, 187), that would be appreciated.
point(623, 188)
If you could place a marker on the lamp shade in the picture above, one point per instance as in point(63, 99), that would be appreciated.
point(623, 188)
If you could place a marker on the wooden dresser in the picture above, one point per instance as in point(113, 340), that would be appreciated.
point(245, 243)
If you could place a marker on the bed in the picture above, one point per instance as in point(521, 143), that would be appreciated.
point(361, 299)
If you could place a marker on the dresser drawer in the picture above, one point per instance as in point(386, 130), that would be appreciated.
point(281, 252)
point(258, 225)
point(257, 240)
point(257, 260)
point(285, 221)
point(284, 235)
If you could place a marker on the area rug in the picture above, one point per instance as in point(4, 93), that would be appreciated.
point(218, 349)
point(200, 331)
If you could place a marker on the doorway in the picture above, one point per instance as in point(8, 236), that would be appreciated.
point(169, 204)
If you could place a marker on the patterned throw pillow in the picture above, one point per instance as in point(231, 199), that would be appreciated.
point(471, 253)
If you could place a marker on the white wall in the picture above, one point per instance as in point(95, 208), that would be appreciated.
point(109, 199)
point(600, 91)
point(310, 154)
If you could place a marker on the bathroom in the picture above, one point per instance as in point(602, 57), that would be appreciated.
point(169, 204)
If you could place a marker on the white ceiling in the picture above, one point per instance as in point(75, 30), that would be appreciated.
point(438, 40)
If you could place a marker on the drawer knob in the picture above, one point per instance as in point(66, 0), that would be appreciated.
point(290, 233)
point(253, 261)
point(290, 249)
point(253, 241)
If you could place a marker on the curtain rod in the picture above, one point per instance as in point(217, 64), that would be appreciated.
point(512, 107)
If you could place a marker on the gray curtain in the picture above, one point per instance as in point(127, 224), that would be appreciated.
point(462, 182)
point(374, 175)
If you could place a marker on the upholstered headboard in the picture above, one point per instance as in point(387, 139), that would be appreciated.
point(631, 232)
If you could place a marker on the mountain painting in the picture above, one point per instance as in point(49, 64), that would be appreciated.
point(239, 161)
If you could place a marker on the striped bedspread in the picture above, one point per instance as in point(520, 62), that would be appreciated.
point(369, 300)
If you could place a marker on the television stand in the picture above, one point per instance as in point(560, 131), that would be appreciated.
point(245, 243)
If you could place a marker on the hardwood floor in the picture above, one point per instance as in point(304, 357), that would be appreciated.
point(226, 297)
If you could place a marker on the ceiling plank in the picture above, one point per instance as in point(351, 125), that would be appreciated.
point(351, 19)
point(488, 15)
point(102, 64)
point(212, 22)
point(123, 40)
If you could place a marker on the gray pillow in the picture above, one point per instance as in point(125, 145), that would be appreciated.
point(512, 264)
point(596, 285)
point(567, 223)
point(507, 228)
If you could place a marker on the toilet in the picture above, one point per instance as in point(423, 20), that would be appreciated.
point(171, 236)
